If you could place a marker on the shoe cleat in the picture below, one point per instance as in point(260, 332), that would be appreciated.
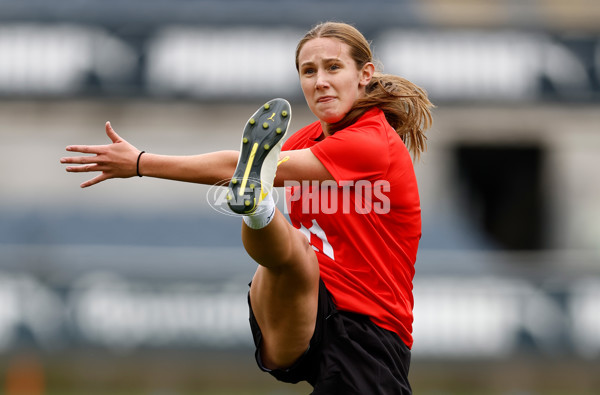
point(262, 139)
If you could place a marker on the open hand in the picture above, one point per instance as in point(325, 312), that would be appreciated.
point(115, 160)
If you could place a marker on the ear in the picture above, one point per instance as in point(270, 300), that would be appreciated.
point(366, 74)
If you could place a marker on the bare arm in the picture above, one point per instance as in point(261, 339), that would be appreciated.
point(119, 160)
point(210, 168)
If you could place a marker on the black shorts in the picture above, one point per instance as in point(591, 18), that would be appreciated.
point(348, 354)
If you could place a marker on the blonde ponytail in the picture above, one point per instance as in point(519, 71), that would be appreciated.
point(405, 105)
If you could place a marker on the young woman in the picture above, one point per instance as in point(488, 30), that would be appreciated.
point(331, 300)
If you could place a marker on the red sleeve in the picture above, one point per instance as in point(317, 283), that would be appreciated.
point(302, 138)
point(359, 152)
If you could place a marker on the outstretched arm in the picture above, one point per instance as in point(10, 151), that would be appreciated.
point(119, 160)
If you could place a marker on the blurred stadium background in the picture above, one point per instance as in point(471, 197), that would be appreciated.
point(138, 286)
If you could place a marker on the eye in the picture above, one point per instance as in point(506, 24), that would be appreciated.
point(308, 71)
point(334, 67)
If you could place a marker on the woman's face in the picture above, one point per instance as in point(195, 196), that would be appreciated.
point(330, 80)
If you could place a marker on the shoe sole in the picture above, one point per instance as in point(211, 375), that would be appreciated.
point(263, 135)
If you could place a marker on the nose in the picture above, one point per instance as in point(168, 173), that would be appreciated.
point(321, 82)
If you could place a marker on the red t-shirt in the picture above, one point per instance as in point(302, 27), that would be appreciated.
point(365, 227)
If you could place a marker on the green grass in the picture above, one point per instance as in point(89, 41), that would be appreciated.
point(194, 372)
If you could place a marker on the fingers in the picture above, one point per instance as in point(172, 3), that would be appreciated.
point(83, 169)
point(79, 160)
point(110, 132)
point(96, 149)
point(87, 149)
point(89, 168)
point(114, 160)
point(94, 181)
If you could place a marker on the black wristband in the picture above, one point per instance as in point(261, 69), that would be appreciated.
point(137, 166)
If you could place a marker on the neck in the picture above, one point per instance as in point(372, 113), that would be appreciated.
point(325, 128)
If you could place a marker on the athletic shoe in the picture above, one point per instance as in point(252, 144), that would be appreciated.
point(261, 144)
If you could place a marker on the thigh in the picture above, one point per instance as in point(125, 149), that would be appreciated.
point(307, 367)
point(284, 302)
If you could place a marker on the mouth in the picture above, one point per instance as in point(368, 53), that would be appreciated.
point(325, 99)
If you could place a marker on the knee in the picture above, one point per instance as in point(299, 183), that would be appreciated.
point(300, 249)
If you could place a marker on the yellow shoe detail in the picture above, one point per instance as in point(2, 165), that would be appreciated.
point(271, 118)
point(265, 125)
point(263, 194)
point(285, 159)
point(251, 121)
point(248, 167)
